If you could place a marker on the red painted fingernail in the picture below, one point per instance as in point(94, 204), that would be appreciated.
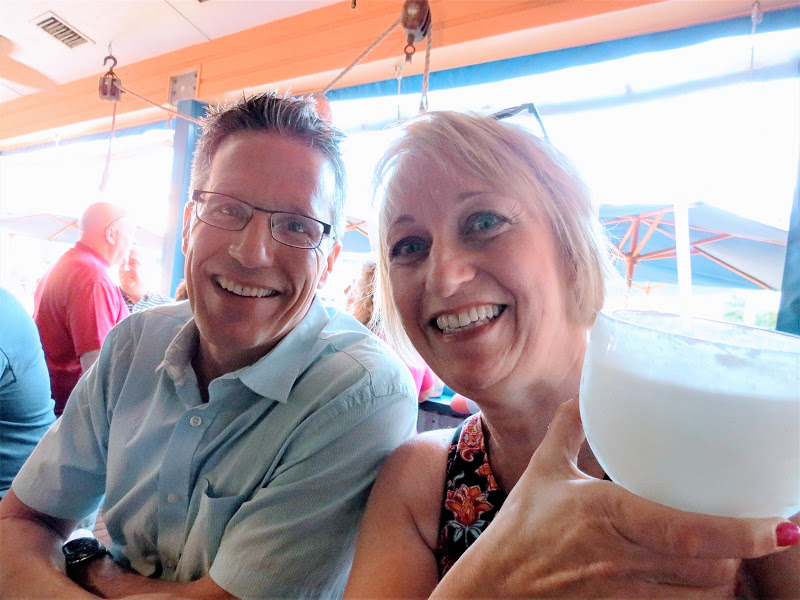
point(787, 534)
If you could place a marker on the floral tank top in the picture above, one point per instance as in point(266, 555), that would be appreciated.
point(471, 494)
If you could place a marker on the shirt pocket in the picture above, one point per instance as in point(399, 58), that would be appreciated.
point(205, 532)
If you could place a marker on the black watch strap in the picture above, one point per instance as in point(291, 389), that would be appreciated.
point(81, 551)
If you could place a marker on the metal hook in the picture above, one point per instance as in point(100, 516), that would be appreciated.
point(114, 63)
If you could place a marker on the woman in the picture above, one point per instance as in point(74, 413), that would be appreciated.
point(493, 265)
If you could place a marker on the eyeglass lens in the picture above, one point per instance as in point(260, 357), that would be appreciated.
point(232, 214)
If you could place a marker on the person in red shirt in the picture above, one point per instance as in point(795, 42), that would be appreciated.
point(76, 303)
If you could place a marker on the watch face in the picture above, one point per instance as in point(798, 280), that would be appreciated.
point(80, 549)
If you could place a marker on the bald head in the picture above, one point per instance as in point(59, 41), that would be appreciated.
point(106, 228)
point(99, 215)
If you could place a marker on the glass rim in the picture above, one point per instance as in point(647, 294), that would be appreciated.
point(787, 343)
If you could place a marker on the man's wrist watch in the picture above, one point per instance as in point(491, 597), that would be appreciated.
point(81, 551)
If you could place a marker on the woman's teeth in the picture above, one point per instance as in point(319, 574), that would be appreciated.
point(240, 290)
point(471, 318)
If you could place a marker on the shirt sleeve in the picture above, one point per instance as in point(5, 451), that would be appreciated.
point(295, 538)
point(65, 475)
point(95, 309)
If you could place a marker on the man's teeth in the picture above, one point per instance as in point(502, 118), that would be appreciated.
point(469, 318)
point(241, 290)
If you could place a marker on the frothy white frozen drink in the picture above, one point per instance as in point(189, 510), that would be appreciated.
point(706, 421)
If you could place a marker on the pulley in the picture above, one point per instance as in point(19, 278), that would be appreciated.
point(416, 20)
point(110, 84)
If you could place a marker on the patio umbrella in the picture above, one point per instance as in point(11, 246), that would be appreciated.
point(726, 250)
point(356, 236)
point(54, 228)
point(62, 228)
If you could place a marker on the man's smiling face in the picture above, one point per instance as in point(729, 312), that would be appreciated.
point(247, 291)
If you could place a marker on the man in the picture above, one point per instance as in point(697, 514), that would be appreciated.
point(76, 304)
point(26, 408)
point(134, 287)
point(235, 436)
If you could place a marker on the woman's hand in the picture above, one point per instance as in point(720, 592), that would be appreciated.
point(563, 533)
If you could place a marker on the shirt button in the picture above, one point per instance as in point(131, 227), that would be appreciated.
point(170, 564)
point(172, 498)
point(195, 421)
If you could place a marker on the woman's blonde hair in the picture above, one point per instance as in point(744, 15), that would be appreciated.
point(492, 150)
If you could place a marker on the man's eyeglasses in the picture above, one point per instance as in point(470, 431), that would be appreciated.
point(229, 213)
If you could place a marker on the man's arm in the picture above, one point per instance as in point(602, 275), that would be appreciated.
point(31, 562)
point(32, 566)
point(110, 580)
point(92, 313)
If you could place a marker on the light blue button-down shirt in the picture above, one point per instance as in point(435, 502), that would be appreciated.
point(262, 486)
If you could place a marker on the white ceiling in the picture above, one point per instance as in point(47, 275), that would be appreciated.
point(136, 30)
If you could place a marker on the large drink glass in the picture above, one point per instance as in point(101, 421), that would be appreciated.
point(706, 421)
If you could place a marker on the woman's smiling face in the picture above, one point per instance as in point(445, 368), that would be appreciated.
point(477, 279)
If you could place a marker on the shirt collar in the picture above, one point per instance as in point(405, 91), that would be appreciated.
point(179, 353)
point(86, 248)
point(272, 376)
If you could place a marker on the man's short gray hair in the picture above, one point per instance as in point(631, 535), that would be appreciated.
point(273, 113)
point(509, 155)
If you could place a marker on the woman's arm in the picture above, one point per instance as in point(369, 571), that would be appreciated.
point(394, 555)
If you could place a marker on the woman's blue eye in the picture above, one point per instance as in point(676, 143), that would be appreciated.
point(481, 222)
point(410, 247)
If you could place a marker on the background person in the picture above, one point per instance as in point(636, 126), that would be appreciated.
point(235, 436)
point(180, 291)
point(133, 281)
point(360, 304)
point(76, 303)
point(26, 408)
point(492, 257)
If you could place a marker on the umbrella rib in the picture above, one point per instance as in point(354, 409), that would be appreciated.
point(644, 215)
point(670, 252)
point(355, 225)
point(60, 231)
point(734, 269)
point(625, 237)
point(653, 226)
point(743, 236)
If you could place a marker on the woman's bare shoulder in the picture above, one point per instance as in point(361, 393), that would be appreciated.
point(414, 475)
point(423, 454)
